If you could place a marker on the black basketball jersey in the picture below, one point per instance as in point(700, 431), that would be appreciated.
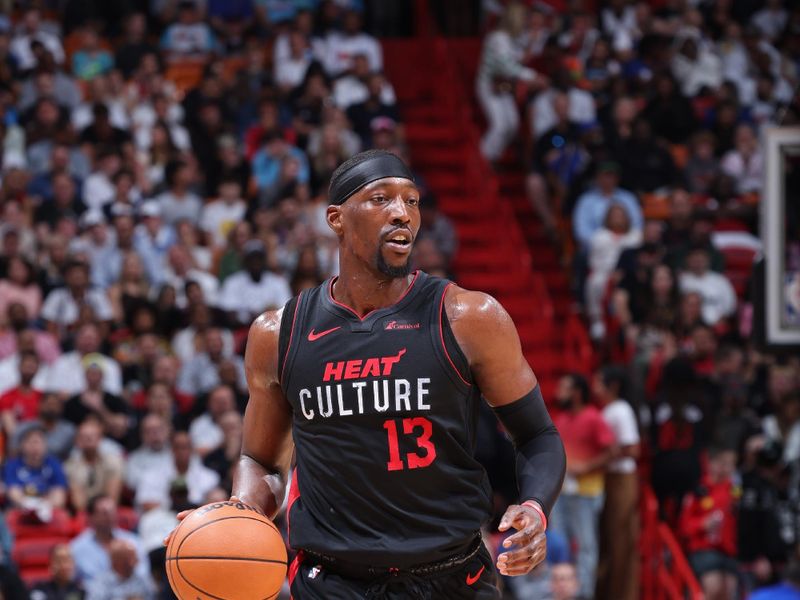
point(384, 425)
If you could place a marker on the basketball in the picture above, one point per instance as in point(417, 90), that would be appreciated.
point(226, 551)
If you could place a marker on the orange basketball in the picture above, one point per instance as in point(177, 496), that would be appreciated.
point(226, 551)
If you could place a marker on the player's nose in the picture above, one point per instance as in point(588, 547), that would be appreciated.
point(399, 211)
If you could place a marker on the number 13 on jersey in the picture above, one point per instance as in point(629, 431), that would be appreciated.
point(419, 427)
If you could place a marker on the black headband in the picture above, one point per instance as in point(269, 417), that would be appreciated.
point(372, 169)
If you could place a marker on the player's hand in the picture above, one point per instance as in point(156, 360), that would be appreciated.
point(529, 541)
point(185, 513)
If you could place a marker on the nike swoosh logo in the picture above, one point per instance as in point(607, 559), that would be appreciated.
point(313, 337)
point(473, 578)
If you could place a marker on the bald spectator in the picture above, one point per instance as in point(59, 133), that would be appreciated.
point(62, 584)
point(91, 547)
point(202, 373)
point(154, 487)
point(93, 470)
point(205, 430)
point(121, 582)
point(153, 455)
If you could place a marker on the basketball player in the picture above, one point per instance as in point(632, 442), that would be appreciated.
point(371, 382)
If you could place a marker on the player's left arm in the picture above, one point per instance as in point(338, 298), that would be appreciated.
point(489, 340)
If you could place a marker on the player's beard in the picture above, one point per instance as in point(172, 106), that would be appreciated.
point(390, 271)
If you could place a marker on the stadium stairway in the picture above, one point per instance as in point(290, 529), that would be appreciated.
point(493, 255)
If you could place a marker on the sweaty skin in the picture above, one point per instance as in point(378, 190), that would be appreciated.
point(482, 327)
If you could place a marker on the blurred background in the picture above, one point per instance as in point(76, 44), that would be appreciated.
point(623, 176)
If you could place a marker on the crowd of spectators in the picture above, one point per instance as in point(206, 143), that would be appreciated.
point(164, 181)
point(638, 126)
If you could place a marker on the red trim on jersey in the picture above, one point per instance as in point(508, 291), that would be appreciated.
point(335, 301)
point(294, 494)
point(441, 336)
point(291, 334)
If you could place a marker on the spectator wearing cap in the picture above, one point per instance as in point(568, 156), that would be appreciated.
point(154, 487)
point(178, 201)
point(592, 206)
point(206, 430)
point(719, 297)
point(35, 480)
point(251, 291)
point(91, 547)
point(202, 373)
point(93, 469)
point(589, 444)
point(219, 216)
point(152, 239)
point(67, 374)
point(364, 114)
point(21, 403)
point(58, 431)
point(62, 307)
point(343, 45)
point(62, 584)
point(188, 38)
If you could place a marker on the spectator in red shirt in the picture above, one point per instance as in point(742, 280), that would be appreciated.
point(708, 525)
point(22, 402)
point(588, 442)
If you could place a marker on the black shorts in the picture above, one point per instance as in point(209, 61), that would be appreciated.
point(707, 561)
point(474, 580)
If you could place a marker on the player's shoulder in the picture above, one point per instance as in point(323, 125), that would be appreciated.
point(473, 307)
point(265, 330)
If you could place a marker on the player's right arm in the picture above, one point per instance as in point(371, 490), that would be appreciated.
point(261, 476)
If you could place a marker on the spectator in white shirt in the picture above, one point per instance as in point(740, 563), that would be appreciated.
point(67, 374)
point(182, 270)
point(98, 188)
point(33, 31)
point(352, 88)
point(745, 163)
point(154, 487)
point(605, 247)
point(694, 65)
point(251, 291)
point(771, 20)
point(178, 201)
point(342, 46)
point(188, 342)
point(619, 522)
point(63, 306)
point(153, 455)
point(203, 372)
point(719, 297)
point(205, 430)
point(219, 216)
point(290, 72)
point(581, 105)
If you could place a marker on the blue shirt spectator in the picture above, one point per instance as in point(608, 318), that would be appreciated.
point(592, 206)
point(34, 474)
point(267, 162)
point(230, 10)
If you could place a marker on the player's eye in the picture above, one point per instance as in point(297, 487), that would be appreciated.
point(412, 201)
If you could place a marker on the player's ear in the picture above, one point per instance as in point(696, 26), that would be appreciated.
point(333, 215)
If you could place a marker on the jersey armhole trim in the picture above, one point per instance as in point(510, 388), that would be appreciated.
point(291, 337)
point(441, 336)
